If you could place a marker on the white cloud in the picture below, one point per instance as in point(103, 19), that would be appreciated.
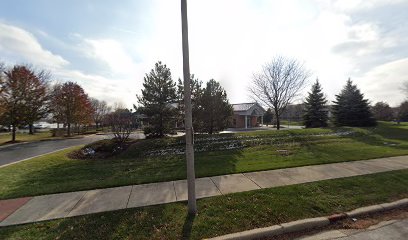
point(101, 87)
point(231, 39)
point(111, 52)
point(383, 83)
point(20, 45)
point(355, 5)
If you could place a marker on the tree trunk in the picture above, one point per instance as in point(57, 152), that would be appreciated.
point(211, 128)
point(69, 129)
point(161, 131)
point(277, 119)
point(31, 129)
point(13, 134)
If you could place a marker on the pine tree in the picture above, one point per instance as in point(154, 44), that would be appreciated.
point(196, 92)
point(156, 101)
point(268, 117)
point(351, 109)
point(215, 110)
point(315, 111)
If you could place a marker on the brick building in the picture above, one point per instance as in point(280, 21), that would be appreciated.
point(247, 115)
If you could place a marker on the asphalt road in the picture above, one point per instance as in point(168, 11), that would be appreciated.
point(18, 152)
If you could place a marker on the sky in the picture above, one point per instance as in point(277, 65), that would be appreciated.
point(108, 46)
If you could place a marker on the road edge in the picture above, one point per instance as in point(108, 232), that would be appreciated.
point(26, 159)
point(309, 223)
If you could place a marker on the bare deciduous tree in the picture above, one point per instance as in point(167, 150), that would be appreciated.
point(121, 121)
point(278, 84)
point(405, 88)
point(118, 105)
point(101, 109)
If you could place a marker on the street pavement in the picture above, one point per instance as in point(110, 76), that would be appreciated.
point(53, 206)
point(394, 229)
point(17, 152)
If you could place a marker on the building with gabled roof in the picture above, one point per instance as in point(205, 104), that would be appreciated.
point(247, 115)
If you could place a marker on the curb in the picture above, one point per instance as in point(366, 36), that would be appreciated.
point(22, 160)
point(364, 211)
point(309, 223)
point(45, 140)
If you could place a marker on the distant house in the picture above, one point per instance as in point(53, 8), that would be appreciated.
point(247, 115)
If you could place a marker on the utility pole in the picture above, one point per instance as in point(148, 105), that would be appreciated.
point(188, 119)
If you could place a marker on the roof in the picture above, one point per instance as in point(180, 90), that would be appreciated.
point(252, 109)
point(242, 106)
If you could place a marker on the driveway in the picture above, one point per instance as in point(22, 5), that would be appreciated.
point(18, 152)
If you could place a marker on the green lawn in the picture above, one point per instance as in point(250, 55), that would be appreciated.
point(25, 137)
point(56, 172)
point(38, 136)
point(285, 123)
point(224, 214)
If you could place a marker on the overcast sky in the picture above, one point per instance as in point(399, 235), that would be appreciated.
point(108, 46)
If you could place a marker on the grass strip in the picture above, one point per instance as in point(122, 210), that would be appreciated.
point(224, 214)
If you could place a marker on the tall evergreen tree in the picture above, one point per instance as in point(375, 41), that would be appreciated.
point(156, 101)
point(315, 111)
point(351, 109)
point(196, 93)
point(268, 116)
point(215, 110)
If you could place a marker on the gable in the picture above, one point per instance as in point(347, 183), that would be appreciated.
point(249, 109)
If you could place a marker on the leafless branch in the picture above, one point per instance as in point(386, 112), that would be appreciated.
point(405, 88)
point(279, 83)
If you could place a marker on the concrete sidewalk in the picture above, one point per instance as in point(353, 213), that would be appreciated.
point(54, 206)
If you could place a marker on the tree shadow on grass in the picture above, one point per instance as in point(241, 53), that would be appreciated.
point(383, 135)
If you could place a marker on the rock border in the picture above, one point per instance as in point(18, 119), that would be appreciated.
point(310, 223)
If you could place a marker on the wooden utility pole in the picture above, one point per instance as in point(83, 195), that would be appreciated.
point(188, 120)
